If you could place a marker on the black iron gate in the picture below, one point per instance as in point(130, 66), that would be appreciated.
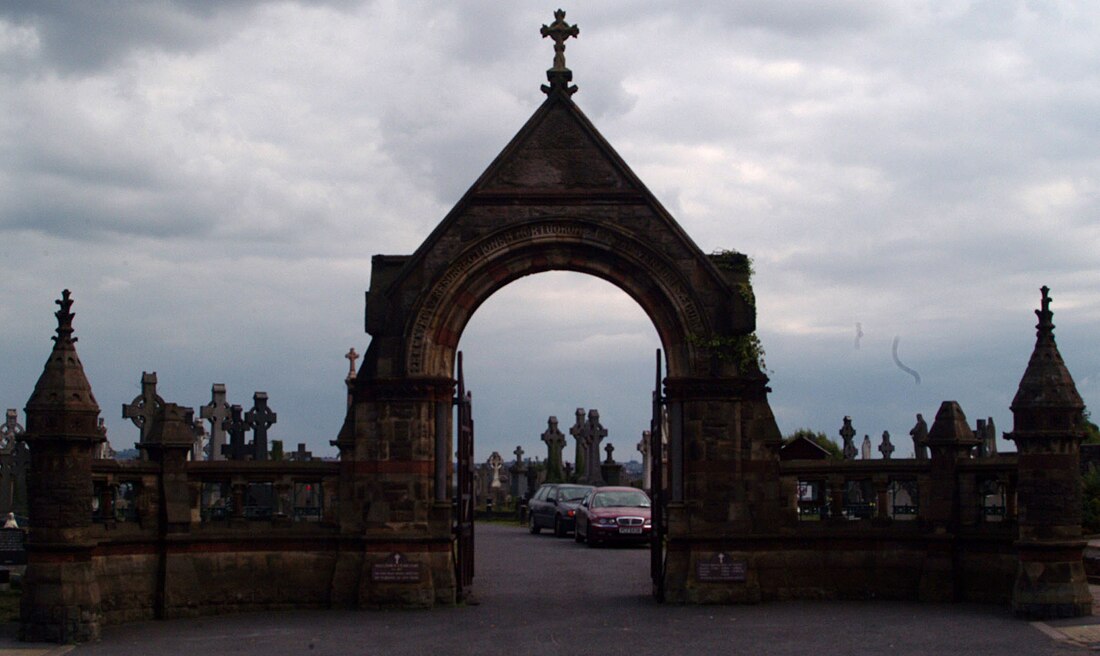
point(657, 490)
point(464, 494)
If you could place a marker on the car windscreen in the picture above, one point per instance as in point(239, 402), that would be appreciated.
point(623, 499)
point(572, 493)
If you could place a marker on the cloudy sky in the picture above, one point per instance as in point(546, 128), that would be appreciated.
point(211, 179)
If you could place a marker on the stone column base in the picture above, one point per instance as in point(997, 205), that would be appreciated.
point(1051, 581)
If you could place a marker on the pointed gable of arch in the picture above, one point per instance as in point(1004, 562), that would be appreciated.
point(557, 197)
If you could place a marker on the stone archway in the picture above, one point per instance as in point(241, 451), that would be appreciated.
point(558, 197)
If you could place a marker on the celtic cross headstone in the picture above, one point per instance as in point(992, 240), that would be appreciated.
point(495, 462)
point(259, 419)
point(236, 427)
point(555, 442)
point(594, 433)
point(847, 433)
point(216, 412)
point(144, 406)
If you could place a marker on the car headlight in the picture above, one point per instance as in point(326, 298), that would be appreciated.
point(649, 522)
point(606, 521)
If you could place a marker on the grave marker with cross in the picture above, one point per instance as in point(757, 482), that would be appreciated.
point(581, 449)
point(259, 419)
point(236, 426)
point(301, 455)
point(518, 480)
point(351, 356)
point(144, 406)
point(594, 434)
point(848, 433)
point(216, 412)
point(555, 442)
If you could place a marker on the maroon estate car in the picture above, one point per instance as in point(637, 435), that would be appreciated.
point(613, 514)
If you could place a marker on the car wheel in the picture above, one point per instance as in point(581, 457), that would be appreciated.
point(592, 544)
point(533, 526)
point(559, 527)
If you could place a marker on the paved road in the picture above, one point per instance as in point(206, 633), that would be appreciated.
point(543, 596)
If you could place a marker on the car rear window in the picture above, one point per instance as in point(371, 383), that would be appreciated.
point(572, 493)
point(621, 499)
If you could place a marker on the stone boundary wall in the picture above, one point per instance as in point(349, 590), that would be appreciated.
point(231, 557)
point(868, 529)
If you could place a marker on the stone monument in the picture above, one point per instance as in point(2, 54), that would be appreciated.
point(555, 443)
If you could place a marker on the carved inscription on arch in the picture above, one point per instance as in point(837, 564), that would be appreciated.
point(669, 279)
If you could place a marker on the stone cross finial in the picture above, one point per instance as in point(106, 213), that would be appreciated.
point(519, 454)
point(145, 405)
point(64, 320)
point(559, 76)
point(216, 412)
point(609, 448)
point(352, 356)
point(259, 419)
point(10, 431)
point(559, 31)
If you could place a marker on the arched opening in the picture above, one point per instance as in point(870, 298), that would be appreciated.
point(557, 344)
point(549, 343)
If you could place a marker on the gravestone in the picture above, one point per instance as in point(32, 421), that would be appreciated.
point(301, 455)
point(519, 475)
point(847, 433)
point(144, 406)
point(258, 420)
point(865, 448)
point(13, 551)
point(351, 356)
point(581, 449)
point(349, 380)
point(611, 471)
point(986, 432)
point(886, 448)
point(13, 466)
point(920, 438)
point(104, 450)
point(199, 446)
point(495, 463)
point(216, 412)
point(555, 443)
point(236, 427)
point(594, 434)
